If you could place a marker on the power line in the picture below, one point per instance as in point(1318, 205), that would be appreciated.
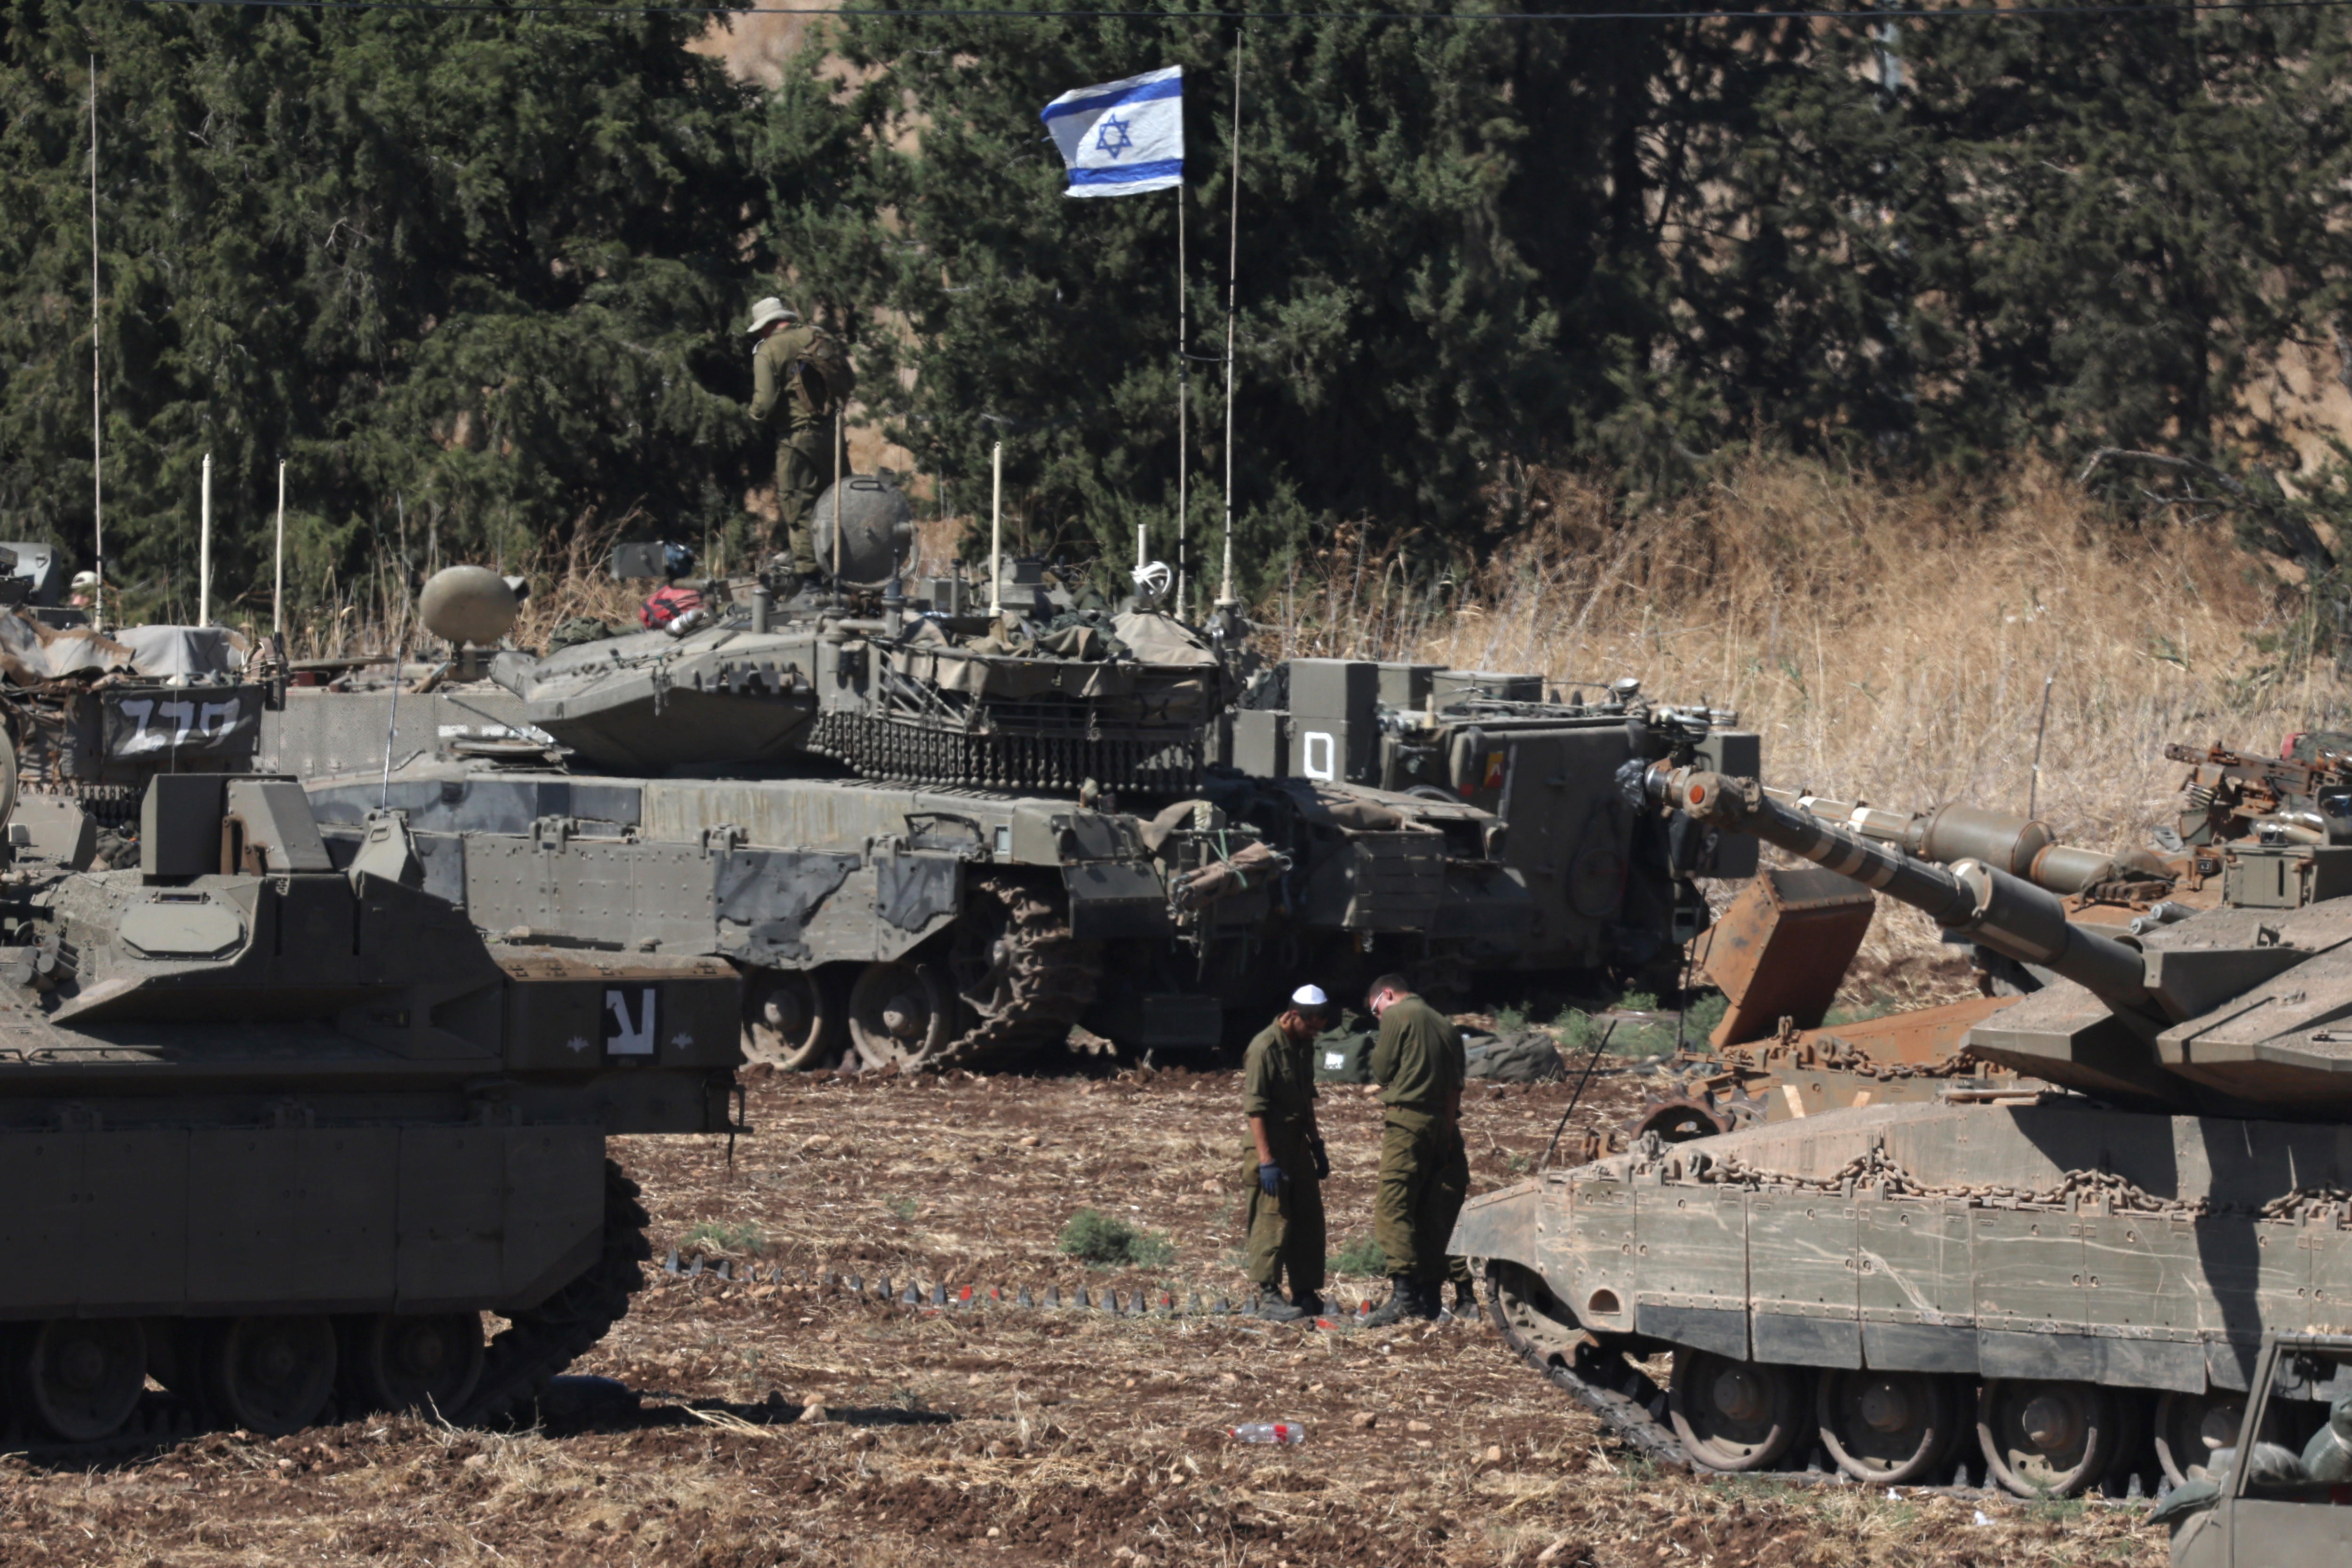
point(981, 13)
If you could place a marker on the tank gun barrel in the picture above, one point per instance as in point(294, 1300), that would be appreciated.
point(2003, 911)
point(2020, 846)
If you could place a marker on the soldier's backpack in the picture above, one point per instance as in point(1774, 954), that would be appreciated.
point(825, 375)
point(1343, 1056)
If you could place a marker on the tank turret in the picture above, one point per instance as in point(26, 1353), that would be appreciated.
point(2236, 1002)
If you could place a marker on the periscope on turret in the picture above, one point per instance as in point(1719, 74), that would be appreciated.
point(2089, 1268)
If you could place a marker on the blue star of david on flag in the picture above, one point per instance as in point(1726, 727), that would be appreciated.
point(1122, 137)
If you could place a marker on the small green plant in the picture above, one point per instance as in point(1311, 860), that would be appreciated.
point(1360, 1258)
point(1510, 1020)
point(1575, 1030)
point(905, 1208)
point(1637, 1002)
point(1517, 1164)
point(1703, 1014)
point(1104, 1242)
point(1878, 1007)
point(718, 1235)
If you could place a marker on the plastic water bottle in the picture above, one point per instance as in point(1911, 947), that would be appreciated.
point(1268, 1432)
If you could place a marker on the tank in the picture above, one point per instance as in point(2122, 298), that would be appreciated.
point(2060, 1289)
point(277, 1133)
point(921, 831)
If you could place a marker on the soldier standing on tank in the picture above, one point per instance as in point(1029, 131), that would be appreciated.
point(1424, 1169)
point(788, 390)
point(1286, 1186)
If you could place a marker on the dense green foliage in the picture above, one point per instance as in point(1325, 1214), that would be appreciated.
point(485, 269)
point(1466, 246)
point(474, 268)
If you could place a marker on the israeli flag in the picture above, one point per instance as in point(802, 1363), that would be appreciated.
point(1123, 136)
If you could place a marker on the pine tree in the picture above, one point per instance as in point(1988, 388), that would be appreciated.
point(478, 267)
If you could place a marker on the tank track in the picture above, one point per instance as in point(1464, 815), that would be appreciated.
point(525, 1356)
point(900, 752)
point(1047, 978)
point(518, 1365)
point(1633, 1405)
point(1628, 1402)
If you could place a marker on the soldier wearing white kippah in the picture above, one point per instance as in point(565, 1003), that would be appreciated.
point(1288, 1162)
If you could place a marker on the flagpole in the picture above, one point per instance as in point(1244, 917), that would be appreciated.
point(1184, 397)
point(96, 421)
point(1225, 599)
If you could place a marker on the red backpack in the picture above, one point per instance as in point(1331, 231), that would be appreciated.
point(668, 604)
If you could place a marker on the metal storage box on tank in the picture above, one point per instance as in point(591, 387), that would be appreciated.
point(1334, 719)
point(1407, 687)
point(1459, 685)
point(2285, 876)
point(1741, 754)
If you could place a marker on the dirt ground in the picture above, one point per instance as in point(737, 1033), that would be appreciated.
point(992, 1433)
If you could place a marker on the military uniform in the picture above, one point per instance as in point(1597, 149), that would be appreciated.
point(803, 467)
point(1285, 1229)
point(1424, 1169)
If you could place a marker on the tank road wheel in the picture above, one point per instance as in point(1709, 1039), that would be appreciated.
point(2190, 1426)
point(1678, 1119)
point(1885, 1427)
point(81, 1377)
point(1734, 1415)
point(270, 1375)
point(403, 1361)
point(791, 1019)
point(2045, 1439)
point(901, 1012)
point(1532, 1320)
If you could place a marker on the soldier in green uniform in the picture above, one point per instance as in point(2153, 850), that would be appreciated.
point(1424, 1169)
point(790, 389)
point(1288, 1162)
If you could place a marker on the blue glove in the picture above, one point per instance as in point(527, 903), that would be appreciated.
point(1269, 1180)
point(1322, 1160)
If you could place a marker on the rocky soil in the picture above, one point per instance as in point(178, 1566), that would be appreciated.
point(783, 1424)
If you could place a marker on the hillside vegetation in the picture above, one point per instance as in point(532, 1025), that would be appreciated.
point(478, 276)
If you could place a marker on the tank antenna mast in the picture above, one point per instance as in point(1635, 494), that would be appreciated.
point(278, 586)
point(996, 530)
point(1233, 267)
point(96, 478)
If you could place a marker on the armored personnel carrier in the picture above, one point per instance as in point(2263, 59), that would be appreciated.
point(2065, 1289)
point(277, 1134)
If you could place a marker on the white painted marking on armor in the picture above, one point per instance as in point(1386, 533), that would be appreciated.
point(625, 1036)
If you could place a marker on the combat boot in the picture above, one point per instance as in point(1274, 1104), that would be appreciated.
point(1404, 1304)
point(1309, 1305)
point(1273, 1309)
point(1465, 1299)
